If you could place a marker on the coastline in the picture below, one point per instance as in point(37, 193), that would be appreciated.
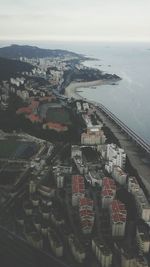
point(72, 89)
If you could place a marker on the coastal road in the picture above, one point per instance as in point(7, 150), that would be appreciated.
point(137, 158)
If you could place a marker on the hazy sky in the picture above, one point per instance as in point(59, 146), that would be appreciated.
point(76, 20)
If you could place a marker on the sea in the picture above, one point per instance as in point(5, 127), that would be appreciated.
point(128, 99)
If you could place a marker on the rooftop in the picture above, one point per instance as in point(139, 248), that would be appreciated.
point(78, 184)
point(118, 211)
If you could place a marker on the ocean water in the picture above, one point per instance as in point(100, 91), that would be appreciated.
point(129, 99)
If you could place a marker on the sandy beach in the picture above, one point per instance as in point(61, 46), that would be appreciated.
point(72, 89)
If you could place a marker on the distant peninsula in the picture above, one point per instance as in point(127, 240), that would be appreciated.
point(17, 51)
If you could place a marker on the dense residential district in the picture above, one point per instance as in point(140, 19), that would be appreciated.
point(68, 193)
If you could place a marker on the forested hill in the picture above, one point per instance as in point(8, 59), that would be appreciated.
point(12, 68)
point(17, 51)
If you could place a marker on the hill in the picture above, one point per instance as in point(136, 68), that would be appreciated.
point(17, 51)
point(12, 68)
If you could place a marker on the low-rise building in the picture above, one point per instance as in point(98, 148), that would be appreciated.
point(60, 181)
point(46, 191)
point(55, 243)
point(102, 252)
point(28, 209)
point(76, 151)
point(35, 239)
point(128, 258)
point(59, 178)
point(35, 200)
point(44, 227)
point(32, 186)
point(81, 166)
point(94, 177)
point(141, 261)
point(76, 248)
point(56, 219)
point(132, 261)
point(37, 222)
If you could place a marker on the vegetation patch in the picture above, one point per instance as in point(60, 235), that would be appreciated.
point(58, 115)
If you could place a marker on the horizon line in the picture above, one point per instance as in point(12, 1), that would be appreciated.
point(12, 40)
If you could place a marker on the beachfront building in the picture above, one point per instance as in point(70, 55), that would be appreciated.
point(142, 203)
point(79, 106)
point(102, 252)
point(143, 206)
point(133, 185)
point(108, 192)
point(93, 136)
point(115, 155)
point(85, 106)
point(78, 189)
point(118, 216)
point(119, 175)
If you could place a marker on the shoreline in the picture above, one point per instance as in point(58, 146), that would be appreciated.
point(72, 89)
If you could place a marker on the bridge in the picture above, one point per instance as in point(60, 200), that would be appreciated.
point(135, 137)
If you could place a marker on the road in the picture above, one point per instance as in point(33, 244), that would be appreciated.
point(138, 159)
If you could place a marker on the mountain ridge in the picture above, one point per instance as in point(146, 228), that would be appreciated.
point(17, 51)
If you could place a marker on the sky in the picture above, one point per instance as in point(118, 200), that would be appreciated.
point(75, 20)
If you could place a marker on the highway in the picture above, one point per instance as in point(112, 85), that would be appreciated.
point(137, 150)
point(136, 138)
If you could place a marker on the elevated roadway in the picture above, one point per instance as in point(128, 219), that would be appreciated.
point(137, 149)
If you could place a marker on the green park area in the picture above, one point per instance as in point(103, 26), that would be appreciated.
point(58, 115)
